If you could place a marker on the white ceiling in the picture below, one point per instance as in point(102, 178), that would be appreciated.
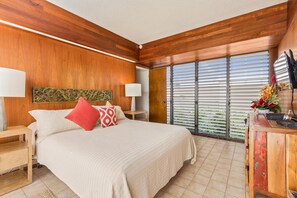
point(142, 21)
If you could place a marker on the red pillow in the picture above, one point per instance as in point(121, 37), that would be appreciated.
point(108, 116)
point(84, 115)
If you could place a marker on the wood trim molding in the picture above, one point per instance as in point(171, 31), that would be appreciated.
point(48, 18)
point(255, 31)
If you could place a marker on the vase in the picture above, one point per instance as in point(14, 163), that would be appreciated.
point(264, 111)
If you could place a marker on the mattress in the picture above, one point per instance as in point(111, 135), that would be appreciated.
point(132, 159)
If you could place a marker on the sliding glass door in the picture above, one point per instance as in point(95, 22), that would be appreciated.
point(248, 74)
point(213, 97)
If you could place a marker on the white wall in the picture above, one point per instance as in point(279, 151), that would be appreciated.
point(142, 77)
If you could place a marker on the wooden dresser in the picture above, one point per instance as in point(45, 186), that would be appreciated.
point(271, 157)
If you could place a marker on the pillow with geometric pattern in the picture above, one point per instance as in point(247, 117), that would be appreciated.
point(108, 116)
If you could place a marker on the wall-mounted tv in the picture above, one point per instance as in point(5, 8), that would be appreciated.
point(285, 68)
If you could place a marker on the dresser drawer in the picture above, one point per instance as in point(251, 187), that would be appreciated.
point(13, 159)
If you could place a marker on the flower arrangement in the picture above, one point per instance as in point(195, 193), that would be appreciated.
point(269, 98)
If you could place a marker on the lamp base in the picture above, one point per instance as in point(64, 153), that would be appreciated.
point(3, 124)
point(133, 108)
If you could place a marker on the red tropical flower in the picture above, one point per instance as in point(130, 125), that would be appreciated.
point(273, 79)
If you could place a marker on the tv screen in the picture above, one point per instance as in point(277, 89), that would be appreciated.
point(285, 69)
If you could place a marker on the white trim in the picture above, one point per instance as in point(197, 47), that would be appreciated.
point(142, 68)
point(63, 40)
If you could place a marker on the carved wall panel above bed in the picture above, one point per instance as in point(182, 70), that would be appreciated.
point(47, 94)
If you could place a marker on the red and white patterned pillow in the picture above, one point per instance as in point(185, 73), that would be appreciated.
point(108, 116)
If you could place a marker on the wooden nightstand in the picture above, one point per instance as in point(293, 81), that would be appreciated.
point(137, 112)
point(13, 155)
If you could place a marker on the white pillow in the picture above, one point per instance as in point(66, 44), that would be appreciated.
point(52, 121)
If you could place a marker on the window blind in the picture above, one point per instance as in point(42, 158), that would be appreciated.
point(212, 96)
point(183, 82)
point(248, 74)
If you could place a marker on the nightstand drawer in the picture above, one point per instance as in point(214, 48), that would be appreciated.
point(13, 159)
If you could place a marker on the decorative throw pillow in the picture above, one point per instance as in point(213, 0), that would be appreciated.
point(84, 115)
point(108, 116)
point(119, 112)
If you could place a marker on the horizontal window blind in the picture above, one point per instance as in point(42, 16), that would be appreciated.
point(248, 74)
point(281, 69)
point(212, 97)
point(183, 77)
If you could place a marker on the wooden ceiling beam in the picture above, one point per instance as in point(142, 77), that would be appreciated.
point(259, 30)
point(48, 18)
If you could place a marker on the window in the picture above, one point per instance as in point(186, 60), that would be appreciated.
point(214, 96)
point(183, 96)
point(248, 74)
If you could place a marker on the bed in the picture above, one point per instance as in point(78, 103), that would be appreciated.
point(133, 159)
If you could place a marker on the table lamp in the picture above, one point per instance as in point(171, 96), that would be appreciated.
point(133, 90)
point(12, 84)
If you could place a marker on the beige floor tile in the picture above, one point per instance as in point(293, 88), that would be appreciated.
point(220, 186)
point(182, 182)
point(37, 187)
point(175, 190)
point(223, 166)
point(58, 187)
point(208, 167)
point(217, 176)
point(229, 196)
point(201, 179)
point(187, 175)
point(191, 169)
point(237, 175)
point(15, 194)
point(237, 169)
point(236, 182)
point(67, 193)
point(237, 192)
point(222, 171)
point(204, 172)
point(225, 161)
point(197, 188)
point(213, 193)
point(190, 194)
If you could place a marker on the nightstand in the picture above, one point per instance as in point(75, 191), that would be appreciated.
point(15, 155)
point(138, 112)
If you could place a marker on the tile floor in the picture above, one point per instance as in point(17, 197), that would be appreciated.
point(218, 173)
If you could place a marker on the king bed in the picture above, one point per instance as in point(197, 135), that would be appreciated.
point(130, 160)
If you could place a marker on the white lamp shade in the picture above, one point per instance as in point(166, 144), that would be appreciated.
point(133, 89)
point(12, 83)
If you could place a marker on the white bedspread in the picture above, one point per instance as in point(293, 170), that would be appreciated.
point(133, 159)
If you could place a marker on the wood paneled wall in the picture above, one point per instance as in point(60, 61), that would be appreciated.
point(255, 31)
point(50, 63)
point(48, 18)
point(290, 39)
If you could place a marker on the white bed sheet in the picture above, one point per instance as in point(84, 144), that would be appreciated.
point(131, 160)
